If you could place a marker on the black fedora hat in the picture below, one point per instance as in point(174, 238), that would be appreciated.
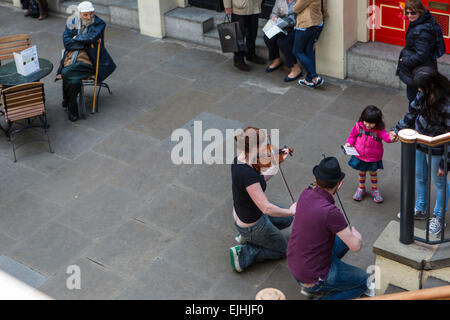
point(329, 170)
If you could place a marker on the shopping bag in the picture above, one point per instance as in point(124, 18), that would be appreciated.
point(230, 35)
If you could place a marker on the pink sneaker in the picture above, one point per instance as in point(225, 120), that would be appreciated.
point(376, 196)
point(359, 194)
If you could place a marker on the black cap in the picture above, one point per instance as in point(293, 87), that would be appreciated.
point(329, 170)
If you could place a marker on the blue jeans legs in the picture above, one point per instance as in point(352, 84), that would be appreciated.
point(422, 167)
point(304, 49)
point(343, 281)
point(264, 240)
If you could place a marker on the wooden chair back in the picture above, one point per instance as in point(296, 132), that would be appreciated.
point(23, 101)
point(11, 44)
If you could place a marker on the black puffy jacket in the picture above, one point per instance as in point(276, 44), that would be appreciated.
point(419, 48)
point(418, 119)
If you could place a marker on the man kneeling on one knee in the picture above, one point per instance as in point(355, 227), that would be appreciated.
point(80, 56)
point(320, 238)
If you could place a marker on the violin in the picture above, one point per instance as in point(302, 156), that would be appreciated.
point(270, 157)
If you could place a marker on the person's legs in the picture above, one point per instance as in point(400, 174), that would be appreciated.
point(239, 55)
point(274, 51)
point(439, 182)
point(43, 8)
point(264, 242)
point(421, 181)
point(251, 34)
point(376, 195)
point(281, 222)
point(343, 280)
point(286, 43)
point(361, 191)
point(304, 50)
point(72, 77)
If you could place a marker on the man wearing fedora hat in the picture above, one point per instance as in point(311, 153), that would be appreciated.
point(320, 237)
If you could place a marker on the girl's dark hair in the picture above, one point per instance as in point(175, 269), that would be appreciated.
point(372, 114)
point(435, 88)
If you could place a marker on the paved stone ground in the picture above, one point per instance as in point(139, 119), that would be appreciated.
point(110, 200)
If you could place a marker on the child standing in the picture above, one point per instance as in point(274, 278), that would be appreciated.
point(366, 136)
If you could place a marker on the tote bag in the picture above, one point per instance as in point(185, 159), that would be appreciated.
point(230, 35)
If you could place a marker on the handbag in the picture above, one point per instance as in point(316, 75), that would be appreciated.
point(230, 35)
point(33, 9)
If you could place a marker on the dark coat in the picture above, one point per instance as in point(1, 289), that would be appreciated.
point(88, 41)
point(419, 48)
point(417, 118)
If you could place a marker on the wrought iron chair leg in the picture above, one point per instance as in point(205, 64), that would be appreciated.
point(45, 122)
point(11, 138)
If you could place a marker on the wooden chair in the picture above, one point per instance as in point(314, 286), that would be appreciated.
point(24, 103)
point(11, 44)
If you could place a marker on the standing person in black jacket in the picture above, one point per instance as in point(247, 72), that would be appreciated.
point(43, 8)
point(420, 44)
point(429, 114)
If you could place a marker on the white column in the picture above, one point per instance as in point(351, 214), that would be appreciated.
point(151, 15)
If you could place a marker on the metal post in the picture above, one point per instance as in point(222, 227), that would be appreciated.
point(408, 168)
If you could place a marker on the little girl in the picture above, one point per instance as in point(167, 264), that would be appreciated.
point(366, 136)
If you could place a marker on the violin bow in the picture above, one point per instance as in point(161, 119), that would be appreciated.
point(340, 202)
point(282, 174)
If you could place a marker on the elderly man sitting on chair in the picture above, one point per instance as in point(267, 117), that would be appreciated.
point(80, 57)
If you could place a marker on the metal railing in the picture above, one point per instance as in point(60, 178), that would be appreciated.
point(409, 139)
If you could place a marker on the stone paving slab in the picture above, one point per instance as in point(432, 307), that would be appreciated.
point(111, 201)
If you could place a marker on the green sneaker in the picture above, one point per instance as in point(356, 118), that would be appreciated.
point(234, 255)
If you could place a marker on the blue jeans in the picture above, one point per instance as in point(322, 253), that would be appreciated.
point(343, 281)
point(304, 49)
point(264, 240)
point(422, 183)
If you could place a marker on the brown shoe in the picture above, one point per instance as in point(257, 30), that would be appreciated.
point(27, 14)
point(42, 17)
point(242, 66)
point(256, 59)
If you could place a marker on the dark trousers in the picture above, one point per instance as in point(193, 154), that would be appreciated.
point(284, 43)
point(72, 80)
point(304, 49)
point(249, 28)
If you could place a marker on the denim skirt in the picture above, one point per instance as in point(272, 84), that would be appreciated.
point(360, 165)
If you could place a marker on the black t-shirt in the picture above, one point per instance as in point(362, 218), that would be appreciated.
point(242, 176)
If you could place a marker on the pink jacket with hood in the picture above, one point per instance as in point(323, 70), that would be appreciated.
point(369, 149)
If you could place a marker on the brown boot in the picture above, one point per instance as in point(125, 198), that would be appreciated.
point(241, 65)
point(43, 7)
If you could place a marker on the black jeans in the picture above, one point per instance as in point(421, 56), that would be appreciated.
point(249, 28)
point(284, 43)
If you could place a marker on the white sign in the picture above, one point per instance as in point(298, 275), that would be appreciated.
point(27, 61)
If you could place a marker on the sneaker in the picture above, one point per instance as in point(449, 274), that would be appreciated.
point(239, 239)
point(435, 225)
point(418, 215)
point(234, 255)
point(319, 82)
point(303, 82)
point(376, 195)
point(359, 194)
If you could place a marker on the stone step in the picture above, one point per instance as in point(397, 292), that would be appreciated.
point(199, 25)
point(118, 12)
point(376, 62)
point(433, 282)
